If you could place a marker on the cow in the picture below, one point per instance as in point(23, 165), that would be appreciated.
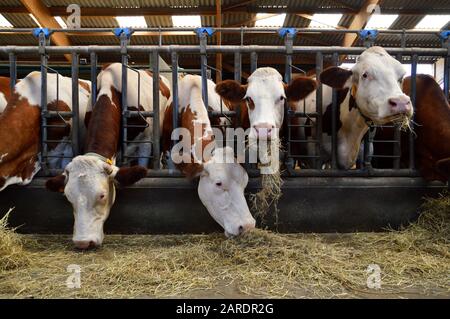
point(5, 92)
point(222, 179)
point(265, 95)
point(89, 180)
point(20, 126)
point(369, 93)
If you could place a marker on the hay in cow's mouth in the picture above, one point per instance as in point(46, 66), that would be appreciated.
point(414, 261)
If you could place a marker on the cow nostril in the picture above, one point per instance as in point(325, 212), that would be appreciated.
point(241, 229)
point(392, 102)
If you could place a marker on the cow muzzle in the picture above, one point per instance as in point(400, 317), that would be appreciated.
point(400, 105)
point(264, 130)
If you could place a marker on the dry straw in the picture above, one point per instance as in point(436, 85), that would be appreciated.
point(413, 261)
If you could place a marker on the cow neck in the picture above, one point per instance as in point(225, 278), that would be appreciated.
point(104, 127)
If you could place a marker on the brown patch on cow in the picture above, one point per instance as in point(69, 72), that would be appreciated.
point(432, 114)
point(167, 129)
point(85, 85)
point(4, 87)
point(127, 176)
point(299, 88)
point(56, 184)
point(103, 132)
point(335, 77)
point(241, 108)
point(19, 137)
point(231, 90)
point(87, 118)
point(56, 133)
point(106, 65)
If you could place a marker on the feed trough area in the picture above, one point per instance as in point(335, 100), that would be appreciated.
point(146, 154)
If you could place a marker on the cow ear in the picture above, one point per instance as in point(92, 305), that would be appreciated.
point(300, 88)
point(443, 166)
point(126, 176)
point(231, 90)
point(336, 77)
point(56, 184)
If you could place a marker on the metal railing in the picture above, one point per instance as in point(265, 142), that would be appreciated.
point(289, 50)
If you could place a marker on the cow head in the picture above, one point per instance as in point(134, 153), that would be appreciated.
point(221, 190)
point(375, 84)
point(265, 96)
point(89, 184)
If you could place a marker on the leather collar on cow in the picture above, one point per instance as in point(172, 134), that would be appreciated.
point(102, 158)
point(352, 104)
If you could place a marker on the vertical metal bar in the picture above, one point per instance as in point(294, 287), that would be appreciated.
point(174, 58)
point(447, 76)
point(12, 71)
point(412, 160)
point(397, 151)
point(253, 61)
point(44, 61)
point(334, 164)
point(156, 127)
point(237, 66)
point(75, 106)
point(124, 104)
point(319, 68)
point(93, 78)
point(367, 164)
point(288, 41)
point(204, 71)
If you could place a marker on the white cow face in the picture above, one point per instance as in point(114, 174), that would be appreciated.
point(265, 96)
point(221, 190)
point(89, 185)
point(375, 84)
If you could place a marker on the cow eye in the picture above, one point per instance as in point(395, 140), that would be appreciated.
point(249, 99)
point(219, 184)
point(281, 98)
point(102, 196)
point(365, 75)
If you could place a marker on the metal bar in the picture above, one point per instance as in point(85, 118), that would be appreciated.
point(447, 76)
point(174, 58)
point(124, 55)
point(237, 66)
point(75, 107)
point(253, 61)
point(93, 57)
point(219, 49)
point(204, 68)
point(319, 92)
point(44, 61)
point(156, 116)
point(334, 164)
point(12, 71)
point(412, 160)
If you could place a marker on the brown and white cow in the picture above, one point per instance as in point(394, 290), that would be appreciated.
point(89, 180)
point(265, 95)
point(222, 179)
point(369, 92)
point(5, 92)
point(20, 126)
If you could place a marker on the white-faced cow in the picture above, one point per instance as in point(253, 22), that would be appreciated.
point(89, 180)
point(20, 126)
point(265, 95)
point(368, 93)
point(222, 179)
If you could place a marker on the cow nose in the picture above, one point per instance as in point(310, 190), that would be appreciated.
point(400, 104)
point(245, 228)
point(84, 244)
point(264, 130)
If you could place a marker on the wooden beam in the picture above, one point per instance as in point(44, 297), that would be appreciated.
point(46, 20)
point(219, 40)
point(359, 22)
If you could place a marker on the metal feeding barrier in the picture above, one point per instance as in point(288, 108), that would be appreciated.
point(289, 50)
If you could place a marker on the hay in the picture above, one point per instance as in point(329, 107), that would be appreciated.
point(270, 193)
point(414, 261)
point(12, 254)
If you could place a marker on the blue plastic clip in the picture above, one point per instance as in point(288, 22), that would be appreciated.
point(38, 31)
point(126, 31)
point(208, 31)
point(368, 34)
point(283, 31)
point(445, 35)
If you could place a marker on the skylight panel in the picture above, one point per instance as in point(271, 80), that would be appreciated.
point(187, 21)
point(433, 22)
point(35, 20)
point(4, 23)
point(325, 20)
point(381, 21)
point(61, 22)
point(270, 20)
point(131, 22)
